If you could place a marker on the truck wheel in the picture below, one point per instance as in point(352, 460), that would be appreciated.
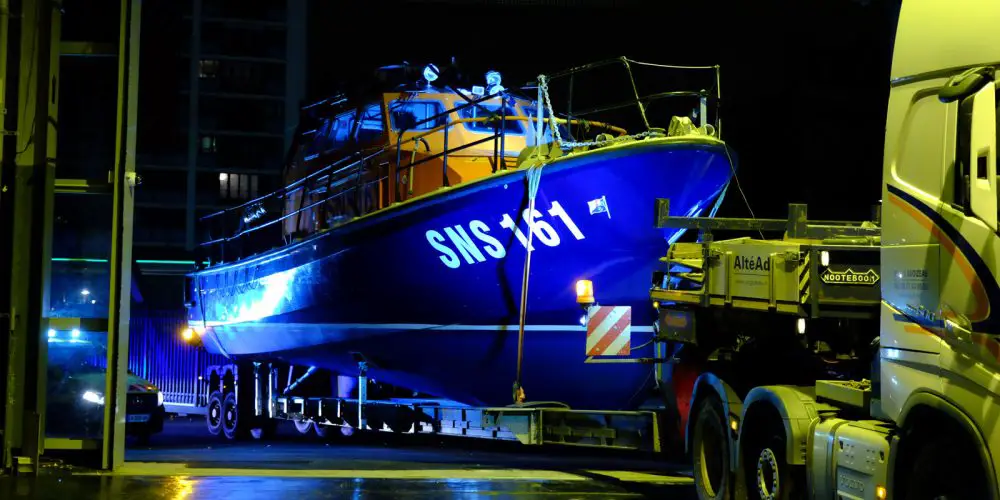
point(942, 468)
point(232, 427)
point(768, 476)
point(710, 451)
point(214, 414)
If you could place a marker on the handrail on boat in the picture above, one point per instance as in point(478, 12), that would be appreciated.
point(322, 180)
point(561, 121)
point(289, 188)
point(356, 163)
point(638, 99)
point(295, 185)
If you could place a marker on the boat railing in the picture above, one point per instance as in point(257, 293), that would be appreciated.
point(257, 225)
point(230, 230)
point(498, 137)
point(229, 227)
point(640, 101)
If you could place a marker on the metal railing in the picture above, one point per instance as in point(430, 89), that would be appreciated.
point(230, 230)
point(256, 225)
point(641, 102)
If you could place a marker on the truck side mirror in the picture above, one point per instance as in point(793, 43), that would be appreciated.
point(966, 83)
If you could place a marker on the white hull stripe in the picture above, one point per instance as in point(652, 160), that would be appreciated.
point(420, 326)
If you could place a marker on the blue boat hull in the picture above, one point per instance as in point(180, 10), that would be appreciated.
point(429, 291)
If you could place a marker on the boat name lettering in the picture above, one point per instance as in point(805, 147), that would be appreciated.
point(473, 242)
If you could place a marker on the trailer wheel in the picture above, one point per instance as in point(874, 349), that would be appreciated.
point(232, 427)
point(710, 451)
point(303, 426)
point(214, 414)
point(321, 430)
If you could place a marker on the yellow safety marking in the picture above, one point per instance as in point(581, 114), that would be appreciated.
point(180, 469)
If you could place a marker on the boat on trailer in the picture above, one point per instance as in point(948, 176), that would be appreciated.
point(402, 241)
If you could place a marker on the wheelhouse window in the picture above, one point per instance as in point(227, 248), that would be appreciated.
point(371, 124)
point(407, 114)
point(334, 132)
point(484, 111)
point(337, 132)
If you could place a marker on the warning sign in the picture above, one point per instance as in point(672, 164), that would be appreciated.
point(609, 331)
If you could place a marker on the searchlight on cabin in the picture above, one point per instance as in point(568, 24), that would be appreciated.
point(493, 80)
point(431, 73)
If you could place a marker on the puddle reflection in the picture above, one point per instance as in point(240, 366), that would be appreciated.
point(247, 488)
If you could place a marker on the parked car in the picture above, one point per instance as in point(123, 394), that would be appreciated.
point(75, 398)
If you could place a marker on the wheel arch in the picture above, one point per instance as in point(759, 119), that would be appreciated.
point(795, 406)
point(924, 407)
point(710, 385)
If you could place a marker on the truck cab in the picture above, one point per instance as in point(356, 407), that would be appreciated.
point(940, 248)
point(776, 330)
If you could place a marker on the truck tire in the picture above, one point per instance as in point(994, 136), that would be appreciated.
point(767, 473)
point(232, 425)
point(942, 468)
point(213, 415)
point(710, 451)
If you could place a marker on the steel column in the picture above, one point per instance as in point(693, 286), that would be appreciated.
point(32, 188)
point(113, 450)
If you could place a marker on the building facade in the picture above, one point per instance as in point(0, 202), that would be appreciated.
point(221, 86)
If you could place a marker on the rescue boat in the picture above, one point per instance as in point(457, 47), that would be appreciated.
point(402, 236)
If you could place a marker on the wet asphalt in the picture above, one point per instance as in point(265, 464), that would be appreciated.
point(185, 463)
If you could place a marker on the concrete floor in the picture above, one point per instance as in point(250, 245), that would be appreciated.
point(184, 462)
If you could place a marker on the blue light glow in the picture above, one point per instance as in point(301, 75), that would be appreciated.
point(264, 301)
point(493, 80)
point(52, 333)
point(75, 333)
point(431, 73)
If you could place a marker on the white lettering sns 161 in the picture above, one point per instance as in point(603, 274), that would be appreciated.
point(476, 243)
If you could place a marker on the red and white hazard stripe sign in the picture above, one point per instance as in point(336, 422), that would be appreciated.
point(609, 331)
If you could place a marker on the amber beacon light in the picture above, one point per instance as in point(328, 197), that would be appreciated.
point(585, 292)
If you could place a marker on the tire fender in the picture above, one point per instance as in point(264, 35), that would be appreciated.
point(936, 402)
point(798, 410)
point(707, 385)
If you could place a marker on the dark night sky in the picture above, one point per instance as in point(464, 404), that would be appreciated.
point(804, 83)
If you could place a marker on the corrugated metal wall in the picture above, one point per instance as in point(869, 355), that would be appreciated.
point(158, 354)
